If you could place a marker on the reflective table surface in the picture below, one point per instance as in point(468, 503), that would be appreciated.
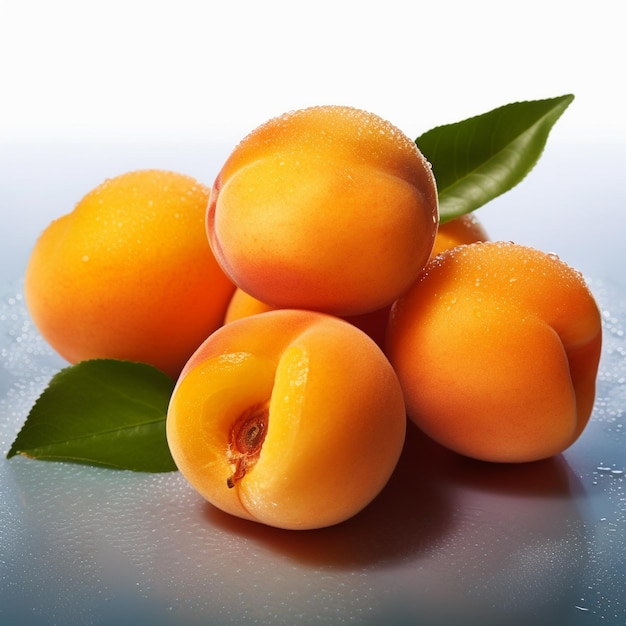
point(449, 541)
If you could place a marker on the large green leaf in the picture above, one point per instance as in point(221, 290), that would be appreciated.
point(482, 157)
point(101, 412)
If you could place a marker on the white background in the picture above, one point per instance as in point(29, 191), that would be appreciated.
point(117, 67)
point(91, 89)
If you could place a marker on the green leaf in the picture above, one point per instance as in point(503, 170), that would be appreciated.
point(482, 157)
point(101, 412)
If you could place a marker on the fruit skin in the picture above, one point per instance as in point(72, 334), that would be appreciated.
point(328, 208)
point(374, 323)
point(335, 424)
point(129, 274)
point(497, 348)
point(458, 231)
point(242, 305)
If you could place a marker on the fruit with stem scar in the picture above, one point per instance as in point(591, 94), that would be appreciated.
point(291, 418)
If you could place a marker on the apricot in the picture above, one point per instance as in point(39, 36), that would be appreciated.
point(373, 323)
point(129, 273)
point(496, 347)
point(328, 208)
point(291, 418)
point(458, 231)
point(242, 305)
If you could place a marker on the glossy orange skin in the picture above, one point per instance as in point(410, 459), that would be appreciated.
point(328, 208)
point(336, 418)
point(242, 305)
point(497, 348)
point(129, 274)
point(373, 324)
point(459, 231)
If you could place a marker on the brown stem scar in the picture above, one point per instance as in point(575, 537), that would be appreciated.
point(246, 440)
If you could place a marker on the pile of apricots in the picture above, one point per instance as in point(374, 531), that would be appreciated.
point(306, 305)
